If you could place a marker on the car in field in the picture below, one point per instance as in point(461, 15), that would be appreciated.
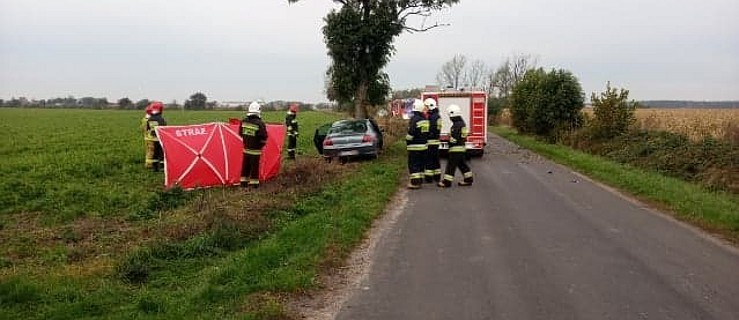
point(345, 139)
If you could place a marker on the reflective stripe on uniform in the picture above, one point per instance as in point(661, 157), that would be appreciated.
point(428, 173)
point(434, 142)
point(249, 129)
point(465, 132)
point(417, 147)
point(417, 175)
point(253, 181)
point(437, 171)
point(457, 149)
point(448, 177)
point(468, 174)
point(423, 125)
point(408, 137)
point(253, 152)
point(244, 179)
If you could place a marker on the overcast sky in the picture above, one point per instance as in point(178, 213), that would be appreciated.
point(237, 50)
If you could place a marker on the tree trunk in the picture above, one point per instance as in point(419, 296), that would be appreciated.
point(360, 107)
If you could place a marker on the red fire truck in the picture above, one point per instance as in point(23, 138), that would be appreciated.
point(474, 106)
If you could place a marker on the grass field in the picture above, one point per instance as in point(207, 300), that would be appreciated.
point(87, 232)
point(71, 163)
point(694, 123)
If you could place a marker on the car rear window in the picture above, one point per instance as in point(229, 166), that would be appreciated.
point(349, 127)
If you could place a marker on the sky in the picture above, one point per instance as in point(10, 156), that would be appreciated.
point(242, 50)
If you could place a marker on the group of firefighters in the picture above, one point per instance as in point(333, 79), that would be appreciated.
point(252, 130)
point(422, 143)
point(422, 140)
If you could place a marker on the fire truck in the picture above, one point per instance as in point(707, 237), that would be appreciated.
point(474, 106)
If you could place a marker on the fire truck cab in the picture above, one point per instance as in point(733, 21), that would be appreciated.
point(474, 107)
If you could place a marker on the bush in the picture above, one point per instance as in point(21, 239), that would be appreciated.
point(547, 104)
point(613, 114)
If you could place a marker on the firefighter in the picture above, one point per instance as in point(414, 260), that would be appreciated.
point(457, 156)
point(416, 139)
point(148, 142)
point(254, 133)
point(432, 172)
point(155, 120)
point(292, 130)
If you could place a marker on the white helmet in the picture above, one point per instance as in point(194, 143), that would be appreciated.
point(418, 105)
point(430, 103)
point(453, 111)
point(254, 108)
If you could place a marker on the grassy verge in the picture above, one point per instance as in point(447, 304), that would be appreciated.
point(207, 276)
point(714, 211)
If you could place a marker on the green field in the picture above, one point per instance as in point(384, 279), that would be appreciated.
point(87, 232)
point(71, 163)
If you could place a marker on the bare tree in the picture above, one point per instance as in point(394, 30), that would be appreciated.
point(476, 74)
point(505, 77)
point(452, 72)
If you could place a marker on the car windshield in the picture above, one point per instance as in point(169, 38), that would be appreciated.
point(349, 127)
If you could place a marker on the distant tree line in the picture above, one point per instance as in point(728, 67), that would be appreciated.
point(197, 101)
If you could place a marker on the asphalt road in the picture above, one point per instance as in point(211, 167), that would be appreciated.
point(532, 240)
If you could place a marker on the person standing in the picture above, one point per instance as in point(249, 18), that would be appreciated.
point(148, 142)
point(416, 139)
point(155, 120)
point(457, 150)
point(254, 133)
point(292, 130)
point(432, 172)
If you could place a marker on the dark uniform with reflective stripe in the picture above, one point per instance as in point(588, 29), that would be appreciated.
point(416, 139)
point(254, 133)
point(457, 157)
point(157, 156)
point(292, 134)
point(433, 167)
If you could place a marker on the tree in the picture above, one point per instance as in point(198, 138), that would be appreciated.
point(613, 113)
point(197, 101)
point(502, 81)
point(547, 103)
point(359, 37)
point(125, 103)
point(452, 73)
point(141, 104)
point(475, 75)
point(407, 93)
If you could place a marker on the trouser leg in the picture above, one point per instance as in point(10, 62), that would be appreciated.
point(254, 171)
point(149, 158)
point(432, 170)
point(415, 167)
point(466, 171)
point(158, 158)
point(245, 169)
point(292, 142)
point(451, 166)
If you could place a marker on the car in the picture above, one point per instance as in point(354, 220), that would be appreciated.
point(345, 139)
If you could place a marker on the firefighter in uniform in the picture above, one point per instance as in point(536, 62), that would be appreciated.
point(148, 142)
point(292, 130)
point(254, 133)
point(432, 172)
point(416, 139)
point(155, 120)
point(457, 150)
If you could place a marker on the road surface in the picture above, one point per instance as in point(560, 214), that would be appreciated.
point(533, 240)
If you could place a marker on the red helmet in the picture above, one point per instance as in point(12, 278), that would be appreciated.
point(156, 107)
point(148, 109)
point(293, 108)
